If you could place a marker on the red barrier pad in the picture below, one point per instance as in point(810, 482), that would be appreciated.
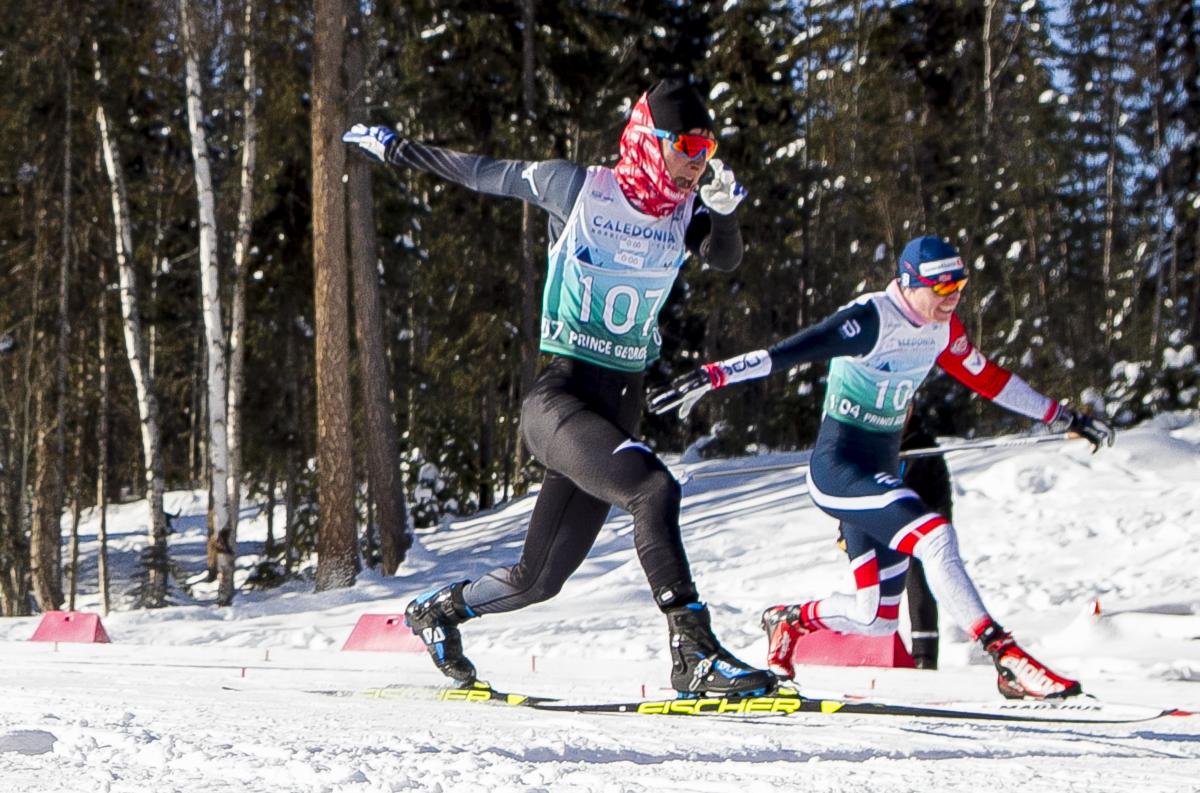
point(383, 633)
point(70, 626)
point(829, 648)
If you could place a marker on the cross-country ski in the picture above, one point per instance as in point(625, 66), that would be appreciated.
point(782, 702)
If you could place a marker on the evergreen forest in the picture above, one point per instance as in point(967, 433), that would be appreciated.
point(205, 289)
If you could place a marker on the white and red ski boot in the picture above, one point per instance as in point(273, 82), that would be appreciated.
point(783, 625)
point(1019, 674)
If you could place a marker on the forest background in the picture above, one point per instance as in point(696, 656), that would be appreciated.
point(205, 290)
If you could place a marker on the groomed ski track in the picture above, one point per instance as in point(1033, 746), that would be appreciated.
point(1046, 531)
point(116, 727)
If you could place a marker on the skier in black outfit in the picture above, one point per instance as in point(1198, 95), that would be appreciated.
point(618, 237)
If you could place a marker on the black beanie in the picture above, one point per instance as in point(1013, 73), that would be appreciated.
point(677, 106)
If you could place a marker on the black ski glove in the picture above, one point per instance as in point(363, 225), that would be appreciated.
point(1097, 431)
point(684, 392)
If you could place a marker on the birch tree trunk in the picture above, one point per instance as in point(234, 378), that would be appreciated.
point(237, 318)
point(1112, 112)
point(383, 442)
point(102, 441)
point(337, 563)
point(1106, 267)
point(156, 582)
point(214, 328)
point(989, 8)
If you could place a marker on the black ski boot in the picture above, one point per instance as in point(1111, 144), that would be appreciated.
point(700, 665)
point(434, 616)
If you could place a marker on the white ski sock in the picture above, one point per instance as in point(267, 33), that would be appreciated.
point(952, 588)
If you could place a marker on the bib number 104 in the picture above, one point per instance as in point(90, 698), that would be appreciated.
point(901, 396)
point(621, 301)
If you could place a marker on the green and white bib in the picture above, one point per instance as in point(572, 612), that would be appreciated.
point(872, 391)
point(610, 273)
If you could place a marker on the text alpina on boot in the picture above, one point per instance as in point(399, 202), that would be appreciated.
point(1019, 674)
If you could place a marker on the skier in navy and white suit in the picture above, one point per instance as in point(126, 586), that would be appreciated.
point(881, 348)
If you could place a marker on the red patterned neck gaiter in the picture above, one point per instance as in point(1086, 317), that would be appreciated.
point(641, 171)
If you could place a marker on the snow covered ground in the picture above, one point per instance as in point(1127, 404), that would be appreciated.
point(196, 698)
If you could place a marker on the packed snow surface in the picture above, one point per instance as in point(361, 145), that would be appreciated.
point(197, 698)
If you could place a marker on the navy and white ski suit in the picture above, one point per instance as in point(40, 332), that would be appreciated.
point(880, 351)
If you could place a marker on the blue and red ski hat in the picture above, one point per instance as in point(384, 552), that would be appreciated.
point(929, 261)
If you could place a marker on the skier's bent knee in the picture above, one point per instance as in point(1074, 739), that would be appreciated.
point(940, 548)
point(657, 494)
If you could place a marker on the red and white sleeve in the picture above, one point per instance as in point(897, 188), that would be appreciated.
point(966, 364)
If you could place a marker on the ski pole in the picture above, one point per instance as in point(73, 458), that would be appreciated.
point(933, 451)
point(988, 443)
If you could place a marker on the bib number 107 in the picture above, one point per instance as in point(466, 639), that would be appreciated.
point(621, 301)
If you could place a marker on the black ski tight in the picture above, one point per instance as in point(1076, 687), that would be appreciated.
point(580, 421)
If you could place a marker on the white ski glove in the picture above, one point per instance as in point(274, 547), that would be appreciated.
point(723, 194)
point(375, 141)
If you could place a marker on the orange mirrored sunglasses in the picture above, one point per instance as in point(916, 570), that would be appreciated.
point(943, 288)
point(948, 287)
point(694, 147)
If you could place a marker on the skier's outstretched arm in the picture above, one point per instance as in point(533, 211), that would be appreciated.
point(551, 185)
point(853, 330)
point(966, 364)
